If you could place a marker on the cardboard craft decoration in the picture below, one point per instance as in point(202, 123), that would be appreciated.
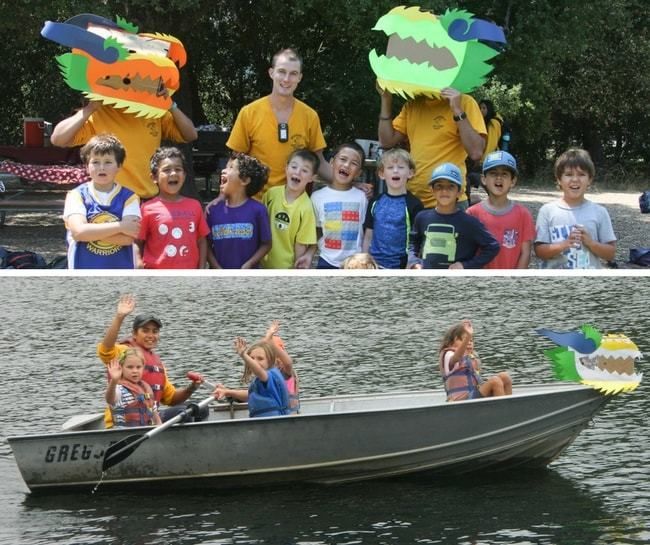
point(427, 53)
point(604, 362)
point(112, 63)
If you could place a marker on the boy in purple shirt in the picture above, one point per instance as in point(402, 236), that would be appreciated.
point(240, 229)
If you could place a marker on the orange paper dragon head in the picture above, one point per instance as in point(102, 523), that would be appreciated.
point(112, 63)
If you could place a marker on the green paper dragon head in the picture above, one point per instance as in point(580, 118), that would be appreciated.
point(605, 362)
point(427, 53)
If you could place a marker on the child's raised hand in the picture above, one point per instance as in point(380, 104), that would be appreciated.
point(469, 328)
point(115, 369)
point(273, 329)
point(240, 345)
point(126, 304)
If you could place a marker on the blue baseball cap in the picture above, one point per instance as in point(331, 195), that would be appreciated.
point(500, 159)
point(447, 171)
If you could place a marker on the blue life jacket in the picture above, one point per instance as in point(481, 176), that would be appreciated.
point(270, 399)
point(461, 380)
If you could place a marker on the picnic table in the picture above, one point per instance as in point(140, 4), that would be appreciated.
point(41, 170)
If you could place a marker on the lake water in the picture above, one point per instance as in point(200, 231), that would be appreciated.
point(348, 335)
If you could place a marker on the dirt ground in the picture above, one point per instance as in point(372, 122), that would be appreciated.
point(43, 232)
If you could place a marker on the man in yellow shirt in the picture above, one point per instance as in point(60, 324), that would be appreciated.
point(272, 127)
point(145, 337)
point(139, 135)
point(438, 130)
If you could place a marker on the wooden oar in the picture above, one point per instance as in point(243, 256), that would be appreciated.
point(124, 448)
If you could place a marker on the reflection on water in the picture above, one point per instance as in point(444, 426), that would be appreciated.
point(405, 511)
point(348, 335)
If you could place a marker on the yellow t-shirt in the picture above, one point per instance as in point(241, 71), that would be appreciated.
point(434, 139)
point(107, 355)
point(290, 223)
point(140, 138)
point(256, 133)
point(493, 136)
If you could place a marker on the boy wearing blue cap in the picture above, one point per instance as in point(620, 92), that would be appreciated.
point(509, 222)
point(446, 237)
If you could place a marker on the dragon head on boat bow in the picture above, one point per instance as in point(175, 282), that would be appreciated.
point(604, 362)
point(426, 53)
point(112, 63)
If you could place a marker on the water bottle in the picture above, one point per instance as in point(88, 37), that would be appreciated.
point(505, 142)
point(578, 253)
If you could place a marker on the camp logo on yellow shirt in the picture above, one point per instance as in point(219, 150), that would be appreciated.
point(438, 122)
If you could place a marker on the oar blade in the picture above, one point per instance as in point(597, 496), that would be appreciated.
point(121, 450)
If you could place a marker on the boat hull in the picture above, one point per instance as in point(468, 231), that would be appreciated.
point(337, 439)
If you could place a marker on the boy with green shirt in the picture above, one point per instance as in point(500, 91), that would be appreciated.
point(293, 224)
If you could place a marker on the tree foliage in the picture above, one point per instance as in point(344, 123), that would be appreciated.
point(572, 73)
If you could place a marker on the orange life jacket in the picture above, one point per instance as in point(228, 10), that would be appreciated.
point(140, 411)
point(154, 369)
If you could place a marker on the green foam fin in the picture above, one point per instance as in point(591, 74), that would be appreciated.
point(452, 15)
point(592, 333)
point(564, 367)
point(474, 69)
point(125, 25)
point(74, 69)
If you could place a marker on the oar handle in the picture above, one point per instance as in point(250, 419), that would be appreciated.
point(198, 377)
point(178, 417)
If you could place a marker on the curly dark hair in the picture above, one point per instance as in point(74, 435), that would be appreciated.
point(250, 168)
point(165, 153)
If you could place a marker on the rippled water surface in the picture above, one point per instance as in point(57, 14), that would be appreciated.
point(347, 335)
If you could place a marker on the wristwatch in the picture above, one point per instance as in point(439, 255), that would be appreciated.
point(460, 117)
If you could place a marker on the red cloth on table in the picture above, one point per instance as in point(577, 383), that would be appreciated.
point(53, 174)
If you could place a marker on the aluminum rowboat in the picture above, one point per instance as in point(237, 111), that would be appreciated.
point(334, 439)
